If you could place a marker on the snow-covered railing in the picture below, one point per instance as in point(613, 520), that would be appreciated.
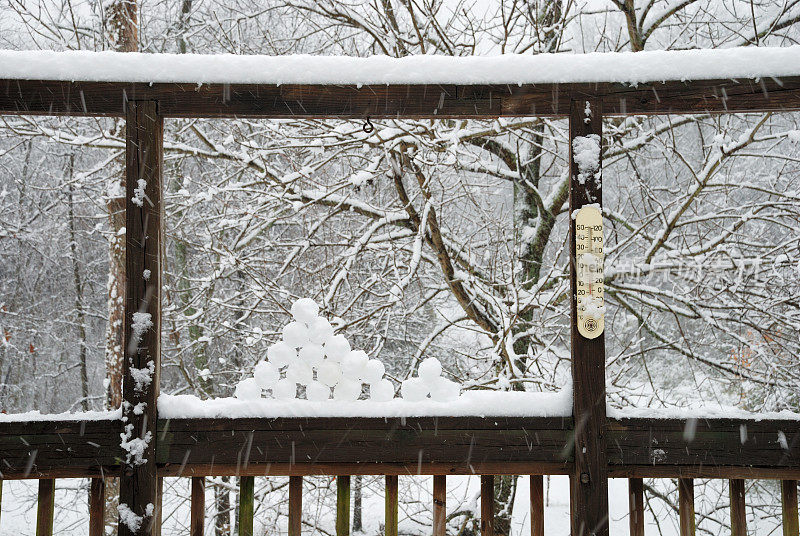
point(143, 445)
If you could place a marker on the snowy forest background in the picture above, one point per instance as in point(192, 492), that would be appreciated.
point(702, 232)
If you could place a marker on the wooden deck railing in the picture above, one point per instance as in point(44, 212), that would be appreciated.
point(589, 447)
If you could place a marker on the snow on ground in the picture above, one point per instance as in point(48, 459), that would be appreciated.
point(626, 67)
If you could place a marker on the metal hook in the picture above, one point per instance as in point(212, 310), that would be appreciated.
point(368, 126)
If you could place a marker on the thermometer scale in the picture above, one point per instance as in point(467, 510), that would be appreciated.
point(589, 276)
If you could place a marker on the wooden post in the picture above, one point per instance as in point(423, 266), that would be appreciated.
point(537, 505)
point(246, 500)
point(142, 332)
point(636, 506)
point(44, 510)
point(487, 505)
point(295, 505)
point(391, 519)
point(97, 507)
point(738, 512)
point(342, 505)
point(439, 505)
point(686, 506)
point(589, 482)
point(789, 502)
point(198, 506)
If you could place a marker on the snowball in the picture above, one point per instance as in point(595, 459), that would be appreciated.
point(347, 390)
point(329, 372)
point(299, 372)
point(320, 330)
point(354, 365)
point(444, 390)
point(281, 354)
point(305, 310)
point(381, 391)
point(266, 374)
point(414, 390)
point(312, 355)
point(430, 369)
point(285, 389)
point(248, 389)
point(373, 371)
point(317, 392)
point(337, 347)
point(295, 334)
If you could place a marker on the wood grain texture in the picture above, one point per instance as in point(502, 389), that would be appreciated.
point(791, 523)
point(97, 507)
point(589, 482)
point(393, 101)
point(295, 505)
point(246, 505)
point(342, 505)
point(537, 505)
point(738, 511)
point(487, 505)
point(686, 506)
point(391, 506)
point(142, 339)
point(44, 507)
point(636, 506)
point(439, 505)
point(198, 506)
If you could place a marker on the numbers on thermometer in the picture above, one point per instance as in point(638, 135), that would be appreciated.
point(589, 271)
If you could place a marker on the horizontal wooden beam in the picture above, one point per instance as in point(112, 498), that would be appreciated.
point(637, 448)
point(47, 97)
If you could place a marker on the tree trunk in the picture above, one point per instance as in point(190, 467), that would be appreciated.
point(222, 503)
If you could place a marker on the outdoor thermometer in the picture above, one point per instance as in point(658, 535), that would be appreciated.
point(589, 276)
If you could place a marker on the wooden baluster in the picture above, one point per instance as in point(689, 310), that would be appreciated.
point(487, 505)
point(97, 507)
point(342, 506)
point(198, 508)
point(636, 506)
point(158, 506)
point(789, 501)
point(44, 511)
point(537, 505)
point(439, 505)
point(686, 506)
point(738, 513)
point(1, 500)
point(295, 505)
point(246, 490)
point(391, 518)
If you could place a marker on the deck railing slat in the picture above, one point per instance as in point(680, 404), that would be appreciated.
point(439, 505)
point(636, 506)
point(391, 516)
point(791, 525)
point(738, 512)
point(97, 507)
point(487, 505)
point(198, 506)
point(295, 505)
point(44, 511)
point(342, 505)
point(686, 506)
point(537, 505)
point(246, 491)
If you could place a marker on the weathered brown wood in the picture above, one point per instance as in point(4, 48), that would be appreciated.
point(537, 505)
point(391, 518)
point(589, 482)
point(198, 506)
point(342, 505)
point(97, 507)
point(142, 331)
point(391, 101)
point(738, 512)
point(439, 505)
point(1, 501)
point(44, 509)
point(686, 506)
point(791, 523)
point(159, 510)
point(636, 506)
point(295, 505)
point(487, 505)
point(246, 505)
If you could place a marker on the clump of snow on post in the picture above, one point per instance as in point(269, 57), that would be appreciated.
point(129, 518)
point(134, 446)
point(586, 154)
point(323, 364)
